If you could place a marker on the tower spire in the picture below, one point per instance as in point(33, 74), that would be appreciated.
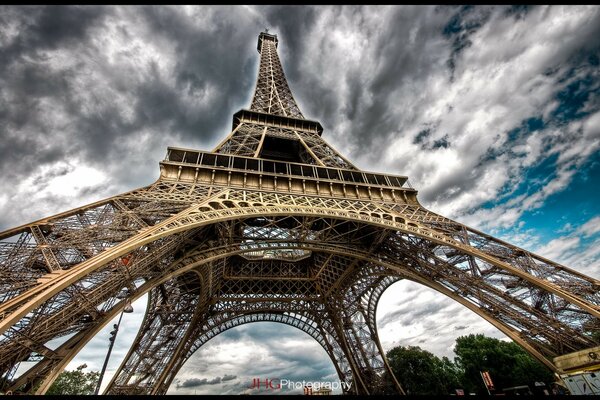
point(272, 94)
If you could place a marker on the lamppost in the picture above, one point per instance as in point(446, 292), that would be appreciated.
point(113, 335)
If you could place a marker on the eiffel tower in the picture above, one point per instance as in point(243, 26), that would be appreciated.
point(272, 225)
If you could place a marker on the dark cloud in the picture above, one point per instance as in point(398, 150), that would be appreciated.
point(33, 96)
point(270, 350)
point(99, 126)
point(205, 381)
point(202, 65)
point(232, 335)
point(67, 92)
point(466, 21)
point(519, 11)
point(43, 28)
point(412, 311)
point(111, 85)
point(372, 75)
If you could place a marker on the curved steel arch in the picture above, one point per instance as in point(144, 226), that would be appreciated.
point(369, 220)
point(470, 305)
point(76, 343)
point(405, 273)
point(240, 315)
point(378, 292)
point(236, 321)
point(476, 310)
point(459, 299)
point(202, 215)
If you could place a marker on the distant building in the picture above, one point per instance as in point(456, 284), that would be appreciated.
point(322, 391)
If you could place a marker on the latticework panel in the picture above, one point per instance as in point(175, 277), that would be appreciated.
point(244, 140)
point(327, 154)
point(410, 256)
point(272, 94)
point(171, 309)
point(312, 317)
point(247, 139)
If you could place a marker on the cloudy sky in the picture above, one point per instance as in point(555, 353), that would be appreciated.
point(492, 112)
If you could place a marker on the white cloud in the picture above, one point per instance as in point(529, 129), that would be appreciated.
point(52, 187)
point(439, 322)
point(259, 350)
point(579, 249)
point(555, 249)
point(590, 227)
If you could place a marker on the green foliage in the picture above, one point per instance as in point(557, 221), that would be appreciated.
point(591, 328)
point(508, 364)
point(75, 382)
point(422, 373)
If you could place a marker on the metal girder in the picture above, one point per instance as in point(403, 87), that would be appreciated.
point(272, 94)
point(300, 225)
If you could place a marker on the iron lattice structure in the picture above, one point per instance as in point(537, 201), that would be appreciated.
point(272, 225)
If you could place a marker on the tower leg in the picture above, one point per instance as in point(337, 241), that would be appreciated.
point(171, 309)
point(355, 314)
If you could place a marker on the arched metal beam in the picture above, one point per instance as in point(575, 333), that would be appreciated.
point(215, 254)
point(201, 215)
point(506, 330)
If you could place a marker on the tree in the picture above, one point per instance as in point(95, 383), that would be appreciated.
point(422, 373)
point(507, 363)
point(591, 328)
point(75, 382)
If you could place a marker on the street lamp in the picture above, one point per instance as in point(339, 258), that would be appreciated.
point(113, 335)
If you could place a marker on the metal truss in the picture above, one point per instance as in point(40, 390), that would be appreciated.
point(273, 225)
point(272, 94)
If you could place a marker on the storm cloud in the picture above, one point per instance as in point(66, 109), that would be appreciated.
point(193, 382)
